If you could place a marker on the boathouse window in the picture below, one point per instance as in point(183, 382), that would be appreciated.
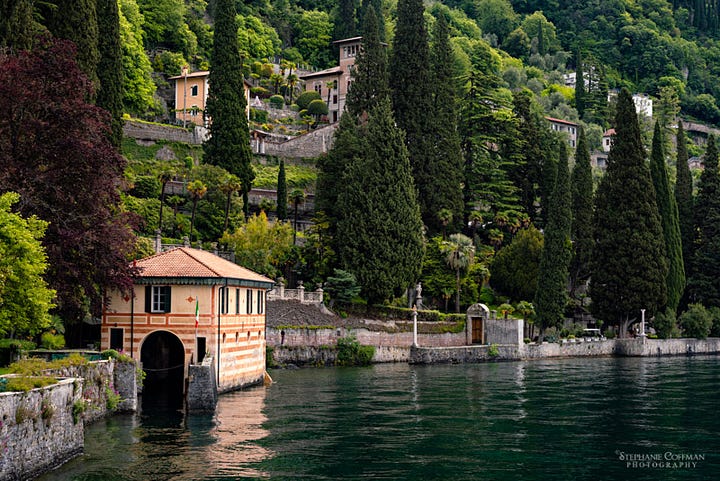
point(260, 303)
point(157, 298)
point(237, 301)
point(224, 300)
point(249, 301)
point(116, 339)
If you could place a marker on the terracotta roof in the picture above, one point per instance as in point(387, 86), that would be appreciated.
point(609, 133)
point(559, 121)
point(188, 262)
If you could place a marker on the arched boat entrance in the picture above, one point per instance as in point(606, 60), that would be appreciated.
point(163, 360)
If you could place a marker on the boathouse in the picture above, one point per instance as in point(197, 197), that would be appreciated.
point(189, 307)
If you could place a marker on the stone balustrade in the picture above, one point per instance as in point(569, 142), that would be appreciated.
point(280, 293)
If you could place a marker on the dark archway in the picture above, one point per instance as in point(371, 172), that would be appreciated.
point(163, 360)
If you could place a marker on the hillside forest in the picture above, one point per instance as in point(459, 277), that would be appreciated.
point(443, 170)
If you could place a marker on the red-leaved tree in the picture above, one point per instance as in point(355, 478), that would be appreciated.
point(54, 151)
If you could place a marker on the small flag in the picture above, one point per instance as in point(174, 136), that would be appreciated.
point(197, 313)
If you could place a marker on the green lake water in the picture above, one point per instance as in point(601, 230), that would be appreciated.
point(574, 419)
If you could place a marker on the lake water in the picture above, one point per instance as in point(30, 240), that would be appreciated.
point(574, 419)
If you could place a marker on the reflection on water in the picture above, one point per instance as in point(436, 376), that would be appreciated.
point(158, 445)
point(570, 419)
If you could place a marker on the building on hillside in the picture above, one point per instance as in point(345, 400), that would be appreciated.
point(607, 139)
point(695, 163)
point(332, 84)
point(191, 93)
point(565, 126)
point(643, 103)
point(187, 304)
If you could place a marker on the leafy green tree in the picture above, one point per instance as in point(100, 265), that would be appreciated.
point(629, 266)
point(443, 176)
point(411, 94)
point(460, 253)
point(703, 284)
point(514, 269)
point(110, 65)
point(345, 25)
point(684, 200)
point(551, 295)
point(305, 98)
point(369, 77)
point(25, 298)
point(379, 230)
point(228, 186)
point(582, 210)
point(165, 26)
point(229, 143)
point(282, 195)
point(496, 17)
point(696, 322)
point(261, 246)
point(314, 37)
point(138, 86)
point(669, 218)
point(665, 324)
point(317, 109)
point(76, 20)
point(256, 39)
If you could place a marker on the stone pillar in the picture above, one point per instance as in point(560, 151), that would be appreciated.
point(186, 241)
point(202, 390)
point(158, 242)
point(281, 288)
point(301, 288)
point(125, 382)
point(321, 294)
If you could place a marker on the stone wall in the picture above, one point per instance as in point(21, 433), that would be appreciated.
point(148, 131)
point(615, 347)
point(504, 331)
point(38, 430)
point(202, 388)
point(328, 337)
point(312, 144)
point(327, 355)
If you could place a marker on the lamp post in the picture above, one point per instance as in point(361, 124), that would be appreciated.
point(414, 314)
point(185, 74)
point(642, 323)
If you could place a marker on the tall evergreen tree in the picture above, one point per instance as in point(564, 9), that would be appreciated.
point(282, 196)
point(629, 266)
point(551, 295)
point(668, 210)
point(110, 66)
point(579, 84)
point(444, 187)
point(704, 287)
point(684, 200)
point(76, 20)
point(376, 6)
point(229, 143)
point(411, 92)
point(582, 209)
point(346, 20)
point(379, 231)
point(17, 25)
point(369, 77)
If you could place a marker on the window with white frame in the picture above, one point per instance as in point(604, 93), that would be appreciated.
point(157, 299)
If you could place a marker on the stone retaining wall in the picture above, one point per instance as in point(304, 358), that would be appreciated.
point(148, 131)
point(616, 347)
point(329, 337)
point(43, 428)
point(38, 430)
point(327, 355)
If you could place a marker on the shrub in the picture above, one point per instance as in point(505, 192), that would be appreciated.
point(277, 101)
point(351, 353)
point(665, 324)
point(493, 351)
point(79, 408)
point(112, 397)
point(51, 341)
point(303, 100)
point(317, 108)
point(696, 321)
point(260, 92)
point(258, 115)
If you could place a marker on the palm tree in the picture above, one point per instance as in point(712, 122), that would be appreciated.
point(197, 191)
point(460, 255)
point(228, 186)
point(291, 82)
point(445, 216)
point(175, 201)
point(297, 196)
point(164, 177)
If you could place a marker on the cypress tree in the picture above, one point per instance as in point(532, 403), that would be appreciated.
point(376, 6)
point(668, 210)
point(629, 266)
point(551, 295)
point(379, 231)
point(444, 188)
point(345, 20)
point(582, 210)
point(76, 20)
point(579, 85)
point(411, 91)
point(703, 285)
point(684, 200)
point(110, 66)
point(281, 192)
point(369, 77)
point(17, 26)
point(229, 143)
